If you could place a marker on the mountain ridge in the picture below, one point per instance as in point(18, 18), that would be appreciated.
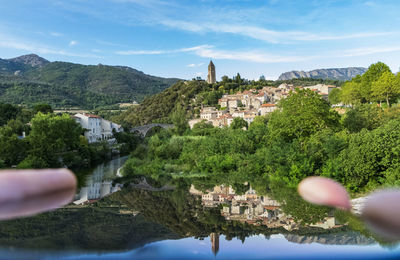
point(32, 60)
point(30, 79)
point(330, 73)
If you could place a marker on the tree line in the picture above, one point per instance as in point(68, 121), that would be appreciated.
point(378, 84)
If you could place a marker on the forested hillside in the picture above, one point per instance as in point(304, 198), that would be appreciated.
point(30, 79)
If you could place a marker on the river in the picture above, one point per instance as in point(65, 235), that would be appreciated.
point(187, 219)
point(98, 183)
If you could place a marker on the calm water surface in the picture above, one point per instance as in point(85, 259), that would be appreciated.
point(187, 219)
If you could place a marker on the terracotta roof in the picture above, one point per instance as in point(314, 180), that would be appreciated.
point(268, 105)
point(91, 116)
point(271, 207)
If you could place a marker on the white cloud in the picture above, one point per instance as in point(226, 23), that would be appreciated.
point(208, 51)
point(259, 56)
point(193, 65)
point(263, 34)
point(72, 43)
point(56, 34)
point(156, 52)
point(108, 43)
point(140, 52)
point(248, 56)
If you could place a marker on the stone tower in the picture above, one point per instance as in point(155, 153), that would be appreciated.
point(211, 73)
point(214, 237)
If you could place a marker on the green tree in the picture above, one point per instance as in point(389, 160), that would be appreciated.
point(334, 96)
point(178, 118)
point(239, 123)
point(386, 88)
point(225, 79)
point(8, 112)
point(301, 114)
point(238, 79)
point(259, 130)
point(12, 149)
point(53, 135)
point(369, 160)
point(44, 108)
point(18, 127)
point(362, 116)
point(203, 128)
point(373, 73)
point(351, 92)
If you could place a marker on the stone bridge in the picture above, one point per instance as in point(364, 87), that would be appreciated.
point(143, 129)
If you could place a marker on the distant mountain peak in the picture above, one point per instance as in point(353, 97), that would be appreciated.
point(332, 73)
point(32, 60)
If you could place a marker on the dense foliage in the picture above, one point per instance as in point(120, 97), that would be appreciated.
point(63, 84)
point(305, 137)
point(32, 139)
point(378, 84)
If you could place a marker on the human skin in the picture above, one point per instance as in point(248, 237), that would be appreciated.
point(381, 211)
point(28, 192)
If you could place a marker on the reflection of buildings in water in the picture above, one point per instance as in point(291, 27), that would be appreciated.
point(252, 209)
point(214, 238)
point(99, 183)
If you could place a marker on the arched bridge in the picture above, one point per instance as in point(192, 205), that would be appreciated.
point(143, 129)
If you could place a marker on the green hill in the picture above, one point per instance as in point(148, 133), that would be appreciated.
point(158, 108)
point(31, 79)
point(191, 95)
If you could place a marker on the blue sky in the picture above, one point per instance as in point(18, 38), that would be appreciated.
point(178, 38)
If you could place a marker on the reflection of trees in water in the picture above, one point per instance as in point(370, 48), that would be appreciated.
point(99, 228)
point(185, 215)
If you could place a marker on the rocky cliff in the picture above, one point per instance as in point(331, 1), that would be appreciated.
point(345, 238)
point(335, 74)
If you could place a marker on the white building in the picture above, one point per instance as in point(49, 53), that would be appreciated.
point(266, 108)
point(98, 129)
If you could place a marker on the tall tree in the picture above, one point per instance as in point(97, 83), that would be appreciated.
point(7, 112)
point(334, 96)
point(179, 120)
point(53, 135)
point(386, 88)
point(373, 73)
point(351, 92)
point(12, 149)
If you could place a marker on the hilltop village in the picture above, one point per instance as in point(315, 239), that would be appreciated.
point(249, 103)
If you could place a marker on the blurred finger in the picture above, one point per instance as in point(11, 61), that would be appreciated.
point(382, 213)
point(324, 191)
point(28, 192)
